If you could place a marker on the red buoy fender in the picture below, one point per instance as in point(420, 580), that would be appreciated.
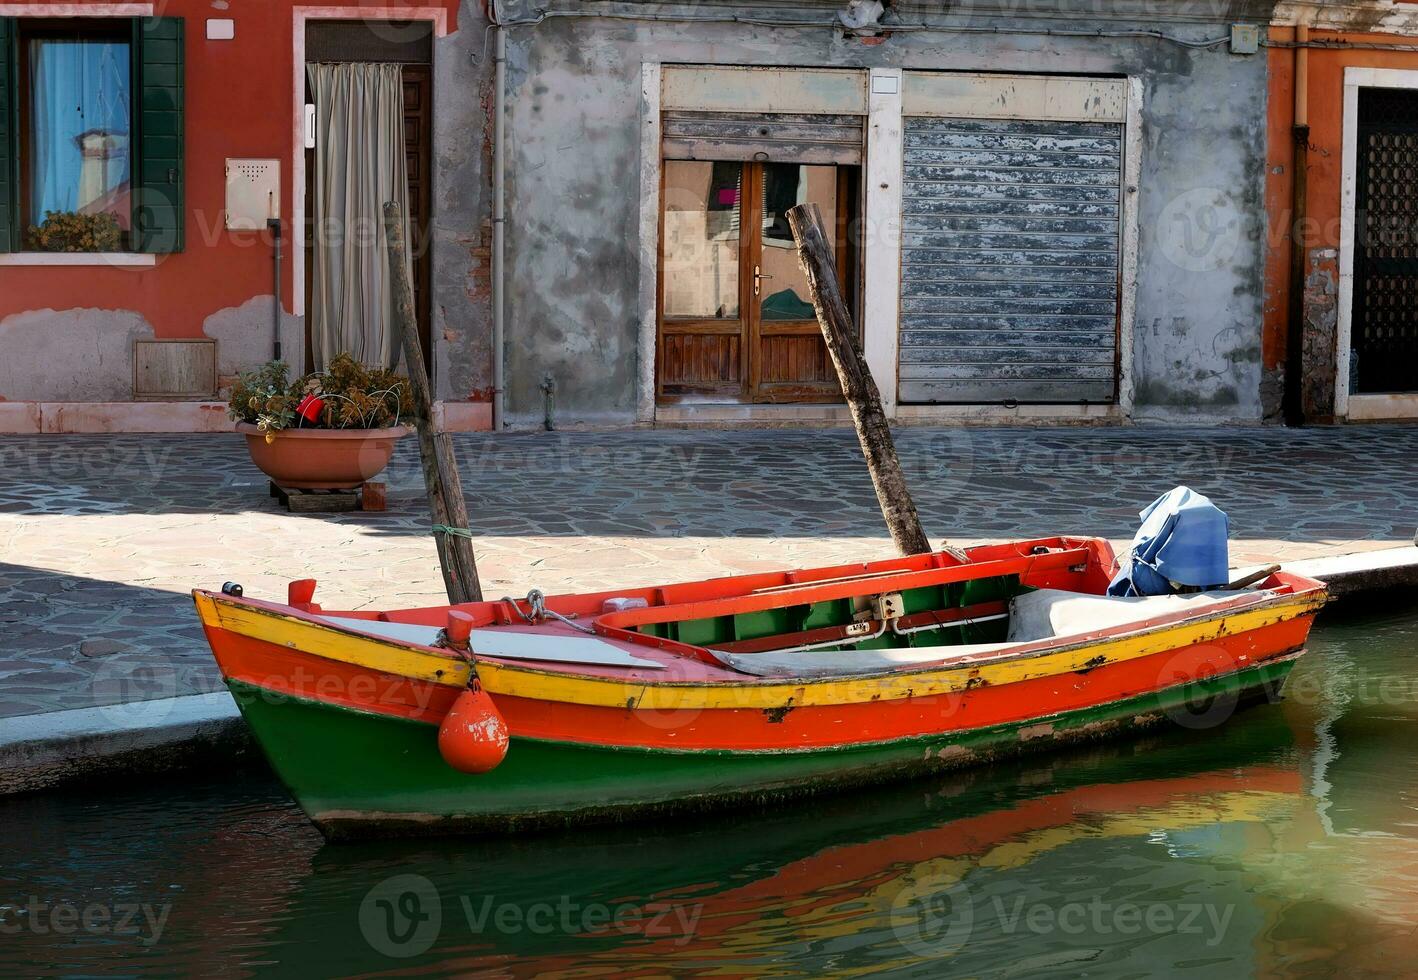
point(473, 737)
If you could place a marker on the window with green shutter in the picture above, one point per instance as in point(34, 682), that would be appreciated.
point(9, 178)
point(91, 134)
point(158, 187)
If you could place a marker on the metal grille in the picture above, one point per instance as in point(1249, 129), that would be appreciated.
point(1385, 313)
point(1009, 261)
point(778, 137)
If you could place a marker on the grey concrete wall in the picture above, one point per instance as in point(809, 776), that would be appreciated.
point(462, 208)
point(573, 205)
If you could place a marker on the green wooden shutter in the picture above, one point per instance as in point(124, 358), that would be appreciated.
point(159, 197)
point(9, 147)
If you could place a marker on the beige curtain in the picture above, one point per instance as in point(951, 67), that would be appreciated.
point(359, 165)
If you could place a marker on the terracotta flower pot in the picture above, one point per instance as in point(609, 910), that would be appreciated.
point(322, 459)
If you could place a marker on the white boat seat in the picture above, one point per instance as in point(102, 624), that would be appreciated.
point(1054, 612)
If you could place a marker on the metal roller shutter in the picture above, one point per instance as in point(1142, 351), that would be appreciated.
point(770, 137)
point(1010, 260)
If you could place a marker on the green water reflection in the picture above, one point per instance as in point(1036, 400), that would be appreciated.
point(1284, 843)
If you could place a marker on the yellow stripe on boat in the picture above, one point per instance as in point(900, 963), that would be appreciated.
point(541, 685)
point(333, 643)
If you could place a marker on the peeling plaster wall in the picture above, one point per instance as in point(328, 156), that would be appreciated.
point(573, 196)
point(462, 207)
point(1319, 364)
point(244, 335)
point(1201, 254)
point(83, 355)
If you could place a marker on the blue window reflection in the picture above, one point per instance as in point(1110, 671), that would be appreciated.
point(80, 109)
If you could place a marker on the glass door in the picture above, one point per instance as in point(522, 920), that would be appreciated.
point(790, 361)
point(736, 317)
point(702, 354)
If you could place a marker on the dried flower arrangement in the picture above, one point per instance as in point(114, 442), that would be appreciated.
point(347, 396)
point(69, 231)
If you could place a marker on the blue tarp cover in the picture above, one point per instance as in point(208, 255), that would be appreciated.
point(1182, 540)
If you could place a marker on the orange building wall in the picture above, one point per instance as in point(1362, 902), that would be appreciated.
point(1320, 228)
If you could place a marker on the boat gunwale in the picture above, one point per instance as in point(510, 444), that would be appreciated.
point(1305, 596)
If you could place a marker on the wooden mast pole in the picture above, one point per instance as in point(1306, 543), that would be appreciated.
point(440, 469)
point(857, 383)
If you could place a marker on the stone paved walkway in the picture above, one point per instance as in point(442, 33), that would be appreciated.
point(102, 536)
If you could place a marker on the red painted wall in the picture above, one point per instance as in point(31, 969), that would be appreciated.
point(239, 104)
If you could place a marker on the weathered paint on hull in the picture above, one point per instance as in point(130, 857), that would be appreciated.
point(358, 774)
point(787, 715)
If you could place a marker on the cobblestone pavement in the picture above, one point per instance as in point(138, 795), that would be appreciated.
point(101, 537)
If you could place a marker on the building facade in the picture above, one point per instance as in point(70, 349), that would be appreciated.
point(1042, 212)
point(1045, 214)
point(1342, 277)
point(177, 103)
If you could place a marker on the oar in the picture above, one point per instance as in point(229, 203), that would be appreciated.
point(1251, 579)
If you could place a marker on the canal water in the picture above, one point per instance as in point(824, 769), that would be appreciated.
point(1285, 842)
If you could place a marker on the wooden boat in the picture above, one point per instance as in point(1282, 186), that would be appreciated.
point(736, 690)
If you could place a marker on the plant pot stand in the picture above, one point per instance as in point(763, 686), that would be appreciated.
point(369, 497)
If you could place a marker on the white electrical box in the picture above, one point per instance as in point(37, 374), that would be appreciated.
point(253, 193)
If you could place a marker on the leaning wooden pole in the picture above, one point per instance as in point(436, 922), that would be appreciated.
point(857, 384)
point(440, 469)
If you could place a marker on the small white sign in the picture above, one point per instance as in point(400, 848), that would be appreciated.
point(220, 29)
point(885, 84)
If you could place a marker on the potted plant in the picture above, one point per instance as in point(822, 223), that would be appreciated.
point(329, 430)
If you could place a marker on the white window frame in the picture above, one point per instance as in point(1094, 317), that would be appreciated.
point(92, 10)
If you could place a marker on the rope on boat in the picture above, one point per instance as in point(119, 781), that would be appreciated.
point(537, 600)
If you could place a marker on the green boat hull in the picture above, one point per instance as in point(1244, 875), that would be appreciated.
point(360, 774)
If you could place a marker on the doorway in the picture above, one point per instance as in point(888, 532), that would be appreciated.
point(736, 322)
point(1384, 319)
point(407, 45)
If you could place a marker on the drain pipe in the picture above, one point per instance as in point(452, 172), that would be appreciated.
point(1294, 400)
point(274, 224)
point(499, 193)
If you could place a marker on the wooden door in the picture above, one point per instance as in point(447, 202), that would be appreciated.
point(736, 321)
point(418, 149)
point(789, 361)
